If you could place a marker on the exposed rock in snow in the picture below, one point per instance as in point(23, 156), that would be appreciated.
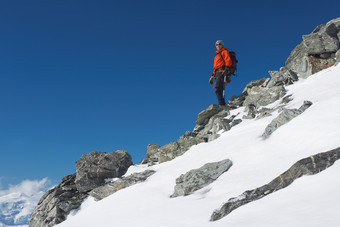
point(93, 168)
point(124, 182)
point(308, 166)
point(284, 117)
point(56, 203)
point(196, 179)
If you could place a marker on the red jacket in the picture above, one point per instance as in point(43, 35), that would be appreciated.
point(219, 61)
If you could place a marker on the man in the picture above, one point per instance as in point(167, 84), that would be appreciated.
point(222, 63)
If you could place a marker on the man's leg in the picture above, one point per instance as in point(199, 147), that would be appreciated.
point(218, 88)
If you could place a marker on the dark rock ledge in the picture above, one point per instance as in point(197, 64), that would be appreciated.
point(307, 166)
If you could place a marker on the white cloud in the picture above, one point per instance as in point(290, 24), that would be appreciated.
point(27, 194)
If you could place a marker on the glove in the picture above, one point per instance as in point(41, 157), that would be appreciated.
point(211, 80)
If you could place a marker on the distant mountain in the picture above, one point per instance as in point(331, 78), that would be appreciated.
point(18, 202)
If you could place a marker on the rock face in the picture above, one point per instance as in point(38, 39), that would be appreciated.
point(308, 166)
point(95, 167)
point(124, 182)
point(57, 203)
point(196, 179)
point(317, 51)
point(284, 117)
point(92, 170)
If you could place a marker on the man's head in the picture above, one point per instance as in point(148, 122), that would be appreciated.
point(219, 44)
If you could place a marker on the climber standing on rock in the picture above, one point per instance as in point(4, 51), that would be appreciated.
point(222, 64)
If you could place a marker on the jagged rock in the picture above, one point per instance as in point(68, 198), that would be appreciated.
point(95, 167)
point(257, 83)
point(262, 96)
point(284, 117)
point(213, 120)
point(282, 77)
point(286, 99)
point(236, 101)
point(124, 182)
point(205, 115)
point(196, 179)
point(298, 61)
point(308, 166)
point(56, 203)
point(251, 112)
point(322, 43)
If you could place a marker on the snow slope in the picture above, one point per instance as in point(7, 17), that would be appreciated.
point(309, 201)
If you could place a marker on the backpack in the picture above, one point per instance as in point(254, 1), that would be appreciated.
point(234, 63)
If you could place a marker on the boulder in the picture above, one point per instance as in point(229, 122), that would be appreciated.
point(282, 77)
point(307, 166)
point(93, 168)
point(205, 115)
point(284, 117)
point(57, 203)
point(124, 182)
point(196, 179)
point(322, 43)
point(260, 96)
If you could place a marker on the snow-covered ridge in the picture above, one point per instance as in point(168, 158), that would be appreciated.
point(273, 124)
point(309, 201)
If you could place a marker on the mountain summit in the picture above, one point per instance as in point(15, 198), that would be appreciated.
point(268, 158)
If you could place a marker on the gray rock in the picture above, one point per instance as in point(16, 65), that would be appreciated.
point(124, 182)
point(95, 167)
point(308, 166)
point(260, 96)
point(57, 203)
point(196, 179)
point(215, 121)
point(252, 111)
point(236, 101)
point(298, 61)
point(321, 42)
point(282, 77)
point(257, 83)
point(284, 117)
point(205, 115)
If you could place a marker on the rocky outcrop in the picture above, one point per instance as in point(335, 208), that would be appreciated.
point(196, 179)
point(259, 96)
point(317, 51)
point(124, 182)
point(92, 170)
point(308, 166)
point(210, 122)
point(57, 203)
point(284, 117)
point(95, 167)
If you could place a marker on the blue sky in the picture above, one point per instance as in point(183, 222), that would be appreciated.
point(78, 76)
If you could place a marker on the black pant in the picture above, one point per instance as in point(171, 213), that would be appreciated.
point(219, 87)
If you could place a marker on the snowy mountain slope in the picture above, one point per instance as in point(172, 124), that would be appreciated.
point(309, 201)
point(17, 203)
